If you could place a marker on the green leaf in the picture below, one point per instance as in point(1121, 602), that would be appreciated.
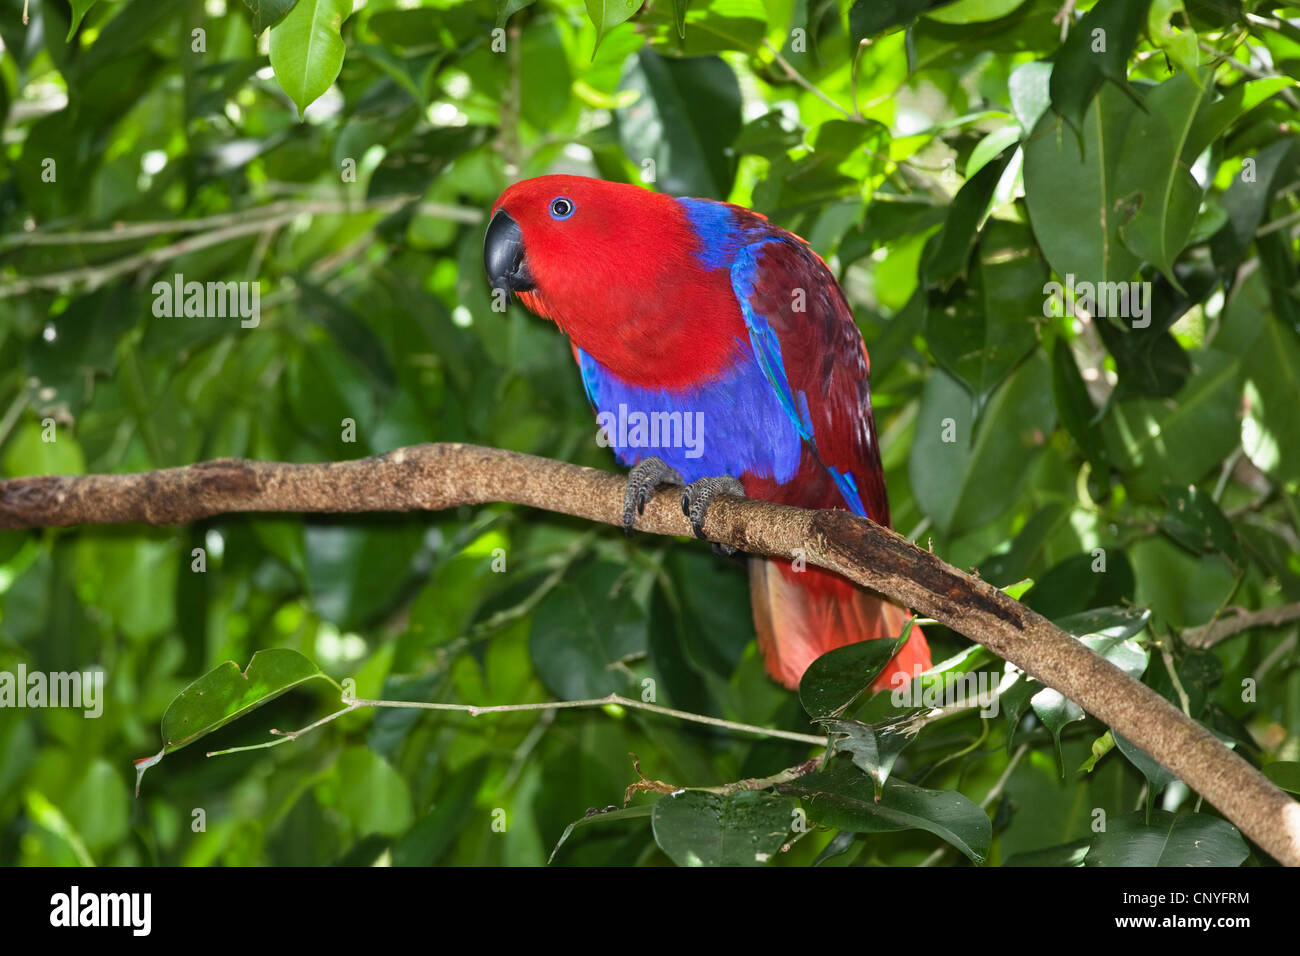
point(1075, 408)
point(1066, 854)
point(1248, 198)
point(604, 816)
point(1097, 49)
point(267, 13)
point(966, 213)
point(1158, 776)
point(685, 120)
point(607, 14)
point(1178, 42)
point(1271, 362)
point(1116, 623)
point(28, 453)
point(837, 678)
point(226, 693)
point(79, 8)
point(1188, 839)
point(868, 18)
point(980, 331)
point(713, 27)
point(356, 571)
point(991, 146)
point(1030, 94)
point(1149, 361)
point(368, 792)
point(1074, 206)
point(966, 482)
point(845, 798)
point(1193, 520)
point(99, 807)
point(1155, 177)
point(1215, 116)
point(770, 135)
point(1026, 554)
point(582, 629)
point(1284, 773)
point(1158, 442)
point(1082, 581)
point(307, 49)
point(413, 165)
point(431, 836)
point(508, 8)
point(873, 747)
point(973, 11)
point(695, 828)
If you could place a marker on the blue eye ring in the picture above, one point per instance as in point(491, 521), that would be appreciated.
point(562, 207)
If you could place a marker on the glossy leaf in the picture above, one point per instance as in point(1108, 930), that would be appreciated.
point(307, 49)
point(971, 479)
point(1188, 839)
point(844, 797)
point(837, 678)
point(708, 829)
point(1097, 49)
point(267, 13)
point(226, 693)
point(607, 14)
point(685, 118)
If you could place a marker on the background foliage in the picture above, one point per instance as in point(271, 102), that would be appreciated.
point(947, 159)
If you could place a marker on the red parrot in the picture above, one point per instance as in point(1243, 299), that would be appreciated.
point(720, 354)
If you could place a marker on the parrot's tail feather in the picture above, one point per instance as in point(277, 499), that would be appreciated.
point(800, 615)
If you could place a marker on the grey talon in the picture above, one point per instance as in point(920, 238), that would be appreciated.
point(645, 476)
point(700, 494)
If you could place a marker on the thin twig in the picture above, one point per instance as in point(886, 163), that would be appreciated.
point(476, 711)
point(1207, 635)
point(807, 84)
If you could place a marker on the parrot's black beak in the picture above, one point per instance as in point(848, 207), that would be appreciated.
point(503, 255)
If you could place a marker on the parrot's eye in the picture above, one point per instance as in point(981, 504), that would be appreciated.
point(561, 207)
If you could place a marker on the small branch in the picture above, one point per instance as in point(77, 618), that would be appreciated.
point(1287, 96)
point(209, 231)
point(127, 231)
point(807, 84)
point(475, 711)
point(435, 477)
point(1207, 635)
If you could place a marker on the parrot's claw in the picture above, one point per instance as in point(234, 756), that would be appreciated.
point(697, 497)
point(646, 476)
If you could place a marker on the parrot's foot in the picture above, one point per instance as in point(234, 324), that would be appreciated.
point(646, 475)
point(697, 497)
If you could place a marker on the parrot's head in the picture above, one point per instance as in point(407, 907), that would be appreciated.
point(563, 243)
point(617, 267)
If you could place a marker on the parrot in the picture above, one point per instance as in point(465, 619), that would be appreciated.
point(707, 318)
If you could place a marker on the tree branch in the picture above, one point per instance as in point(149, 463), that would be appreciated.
point(434, 477)
point(1238, 619)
